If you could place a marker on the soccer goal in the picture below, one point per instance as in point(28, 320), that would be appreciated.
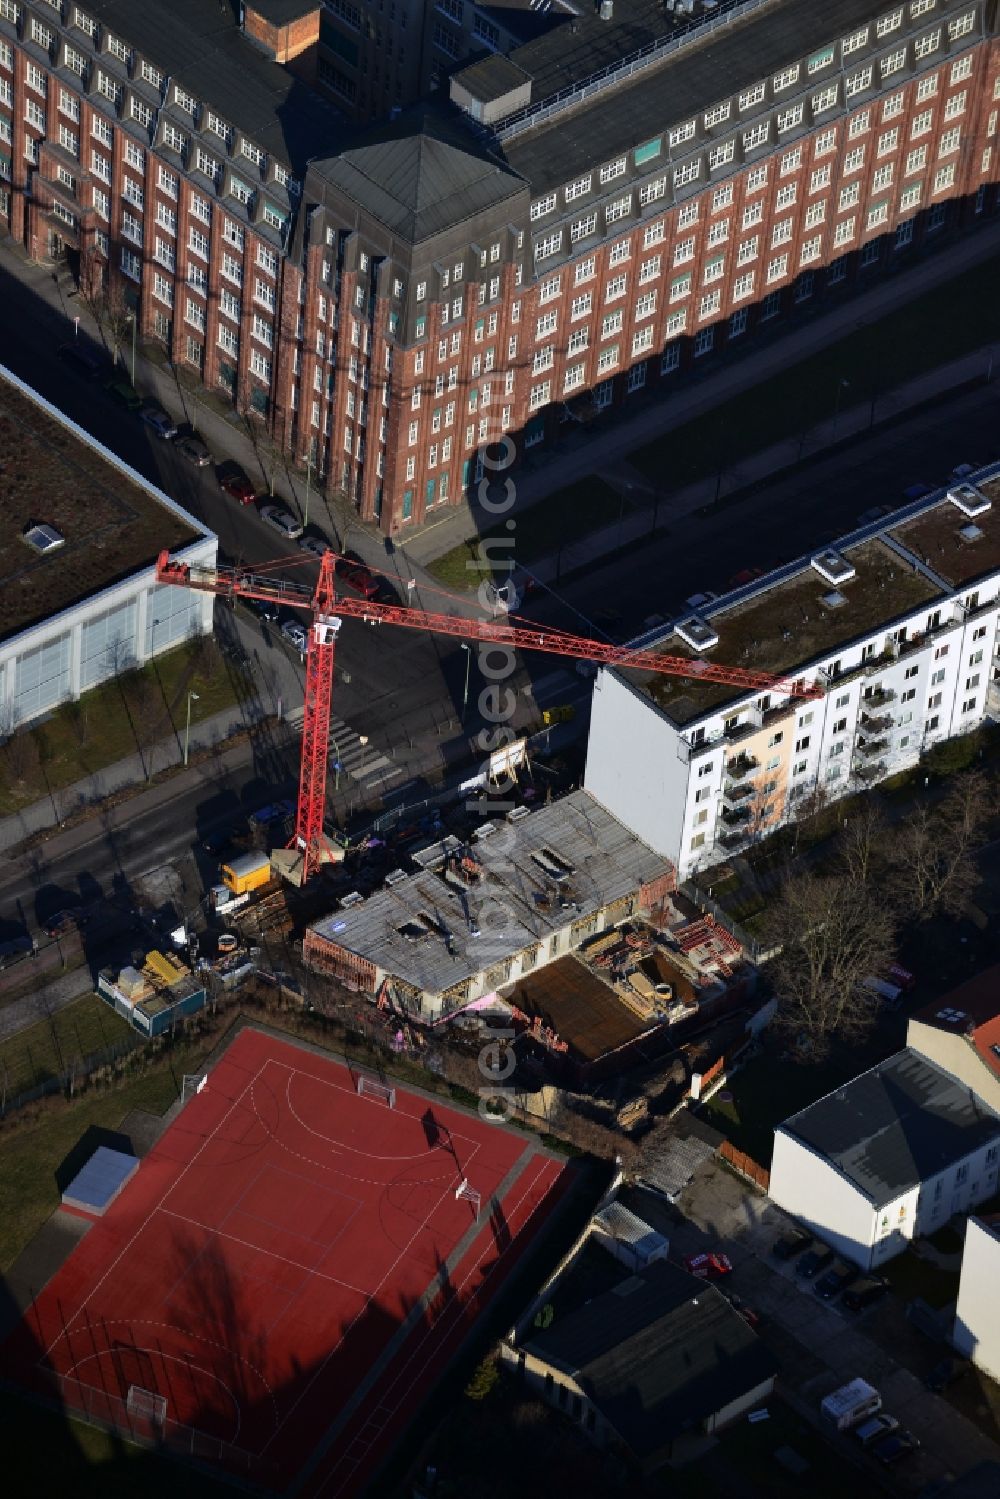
point(192, 1083)
point(470, 1194)
point(370, 1087)
point(146, 1403)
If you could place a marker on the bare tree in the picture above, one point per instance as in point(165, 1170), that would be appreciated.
point(935, 850)
point(829, 935)
point(22, 757)
point(865, 846)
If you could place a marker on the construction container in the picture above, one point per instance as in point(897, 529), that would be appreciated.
point(246, 873)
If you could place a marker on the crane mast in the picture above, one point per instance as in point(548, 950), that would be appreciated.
point(328, 610)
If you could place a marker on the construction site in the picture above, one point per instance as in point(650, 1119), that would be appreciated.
point(530, 906)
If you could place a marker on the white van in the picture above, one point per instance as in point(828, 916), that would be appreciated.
point(851, 1404)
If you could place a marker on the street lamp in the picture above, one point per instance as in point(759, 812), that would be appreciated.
point(468, 663)
point(133, 320)
point(842, 385)
point(309, 464)
point(192, 698)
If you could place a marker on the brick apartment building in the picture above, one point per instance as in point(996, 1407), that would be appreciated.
point(633, 187)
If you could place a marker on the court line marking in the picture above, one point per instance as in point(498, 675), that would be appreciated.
point(339, 1145)
point(185, 1332)
point(220, 1233)
point(174, 1359)
point(545, 1163)
point(171, 1188)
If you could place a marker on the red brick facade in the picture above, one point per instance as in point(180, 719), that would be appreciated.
point(392, 400)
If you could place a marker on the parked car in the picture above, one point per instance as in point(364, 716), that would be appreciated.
point(123, 391)
point(281, 520)
point(295, 634)
point(791, 1244)
point(80, 361)
point(161, 421)
point(712, 1265)
point(875, 1428)
point(864, 1292)
point(273, 810)
point(814, 1262)
point(876, 512)
point(357, 576)
point(946, 1373)
point(739, 1305)
point(917, 491)
point(836, 1279)
point(700, 600)
point(263, 608)
point(890, 1449)
point(14, 949)
point(316, 545)
point(963, 472)
point(195, 451)
point(746, 575)
point(236, 484)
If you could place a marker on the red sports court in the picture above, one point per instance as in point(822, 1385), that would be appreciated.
point(288, 1272)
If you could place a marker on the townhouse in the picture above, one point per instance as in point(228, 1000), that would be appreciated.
point(595, 208)
point(896, 623)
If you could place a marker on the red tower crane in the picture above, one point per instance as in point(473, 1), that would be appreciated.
point(327, 609)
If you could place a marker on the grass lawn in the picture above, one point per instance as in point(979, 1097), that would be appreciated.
point(46, 1453)
point(45, 1049)
point(110, 722)
point(946, 322)
point(771, 1087)
point(29, 1155)
point(564, 517)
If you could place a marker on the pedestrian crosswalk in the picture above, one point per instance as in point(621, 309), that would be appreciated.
point(356, 758)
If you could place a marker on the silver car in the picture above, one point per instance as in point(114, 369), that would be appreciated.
point(318, 546)
point(295, 634)
point(282, 521)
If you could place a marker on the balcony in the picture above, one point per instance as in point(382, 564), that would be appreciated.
point(734, 838)
point(736, 796)
point(877, 698)
point(870, 747)
point(741, 767)
point(870, 772)
point(875, 723)
point(735, 817)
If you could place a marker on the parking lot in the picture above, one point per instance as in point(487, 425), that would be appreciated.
point(820, 1344)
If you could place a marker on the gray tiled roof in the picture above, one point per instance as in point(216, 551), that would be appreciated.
point(657, 1354)
point(893, 1127)
point(420, 175)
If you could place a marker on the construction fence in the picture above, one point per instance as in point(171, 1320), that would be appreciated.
point(745, 1165)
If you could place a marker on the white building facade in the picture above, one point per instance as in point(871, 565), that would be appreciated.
point(977, 1316)
point(116, 627)
point(891, 1156)
point(701, 786)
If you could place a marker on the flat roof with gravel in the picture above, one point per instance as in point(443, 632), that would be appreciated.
point(111, 524)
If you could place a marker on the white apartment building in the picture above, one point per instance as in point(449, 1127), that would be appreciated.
point(890, 1156)
point(896, 624)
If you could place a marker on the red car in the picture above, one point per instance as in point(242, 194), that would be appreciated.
point(711, 1266)
point(357, 576)
point(239, 487)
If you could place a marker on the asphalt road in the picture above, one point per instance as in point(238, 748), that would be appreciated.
point(389, 683)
